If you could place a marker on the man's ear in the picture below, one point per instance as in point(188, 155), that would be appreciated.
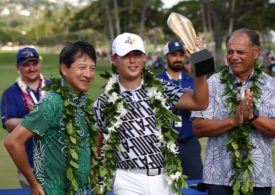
point(63, 69)
point(113, 59)
point(256, 51)
point(17, 66)
point(165, 58)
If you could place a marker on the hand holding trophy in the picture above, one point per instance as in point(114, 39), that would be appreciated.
point(183, 28)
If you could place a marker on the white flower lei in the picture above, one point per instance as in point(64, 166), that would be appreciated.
point(28, 96)
point(117, 108)
point(24, 87)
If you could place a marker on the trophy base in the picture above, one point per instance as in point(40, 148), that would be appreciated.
point(203, 62)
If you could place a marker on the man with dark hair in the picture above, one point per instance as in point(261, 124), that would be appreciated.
point(134, 117)
point(189, 146)
point(19, 99)
point(60, 125)
point(239, 122)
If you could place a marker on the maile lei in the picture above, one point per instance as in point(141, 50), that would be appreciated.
point(72, 129)
point(239, 144)
point(116, 108)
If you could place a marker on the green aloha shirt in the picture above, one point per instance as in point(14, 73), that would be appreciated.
point(50, 148)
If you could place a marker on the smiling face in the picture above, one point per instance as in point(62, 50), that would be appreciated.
point(80, 74)
point(129, 68)
point(241, 55)
point(30, 71)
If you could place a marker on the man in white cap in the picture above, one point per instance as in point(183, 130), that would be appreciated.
point(131, 115)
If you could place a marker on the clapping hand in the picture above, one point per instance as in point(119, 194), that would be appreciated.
point(245, 110)
point(248, 107)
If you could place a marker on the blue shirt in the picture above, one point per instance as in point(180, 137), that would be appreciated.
point(186, 82)
point(13, 106)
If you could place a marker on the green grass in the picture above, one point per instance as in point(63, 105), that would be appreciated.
point(8, 73)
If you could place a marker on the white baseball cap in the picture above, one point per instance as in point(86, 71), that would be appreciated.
point(127, 42)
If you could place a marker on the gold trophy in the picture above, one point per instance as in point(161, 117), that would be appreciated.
point(183, 28)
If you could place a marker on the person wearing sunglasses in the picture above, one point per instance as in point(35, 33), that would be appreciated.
point(19, 98)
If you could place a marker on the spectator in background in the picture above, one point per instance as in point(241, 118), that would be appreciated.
point(19, 99)
point(104, 55)
point(60, 125)
point(271, 66)
point(189, 146)
point(159, 62)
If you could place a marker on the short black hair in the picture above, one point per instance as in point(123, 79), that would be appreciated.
point(252, 35)
point(72, 50)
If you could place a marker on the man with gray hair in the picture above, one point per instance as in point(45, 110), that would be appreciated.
point(239, 122)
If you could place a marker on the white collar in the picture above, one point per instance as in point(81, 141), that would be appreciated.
point(170, 78)
point(237, 77)
point(123, 89)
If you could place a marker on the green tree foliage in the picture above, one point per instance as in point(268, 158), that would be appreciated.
point(190, 9)
point(51, 23)
point(221, 17)
point(94, 15)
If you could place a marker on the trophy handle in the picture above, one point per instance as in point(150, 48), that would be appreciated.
point(184, 29)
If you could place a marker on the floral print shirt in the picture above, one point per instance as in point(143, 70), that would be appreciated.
point(50, 145)
point(217, 165)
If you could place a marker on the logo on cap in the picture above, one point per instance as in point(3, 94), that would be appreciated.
point(177, 44)
point(130, 40)
point(127, 42)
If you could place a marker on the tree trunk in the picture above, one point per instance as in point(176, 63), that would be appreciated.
point(218, 39)
point(232, 14)
point(143, 17)
point(204, 27)
point(109, 20)
point(117, 18)
point(131, 13)
point(217, 32)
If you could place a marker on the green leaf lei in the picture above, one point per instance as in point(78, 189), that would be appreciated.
point(116, 108)
point(239, 144)
point(72, 130)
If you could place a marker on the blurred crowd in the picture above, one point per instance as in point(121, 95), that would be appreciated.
point(268, 60)
point(155, 61)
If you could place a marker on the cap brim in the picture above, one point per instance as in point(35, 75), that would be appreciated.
point(123, 53)
point(175, 51)
point(23, 62)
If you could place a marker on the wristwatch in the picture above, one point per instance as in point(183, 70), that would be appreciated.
point(255, 115)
